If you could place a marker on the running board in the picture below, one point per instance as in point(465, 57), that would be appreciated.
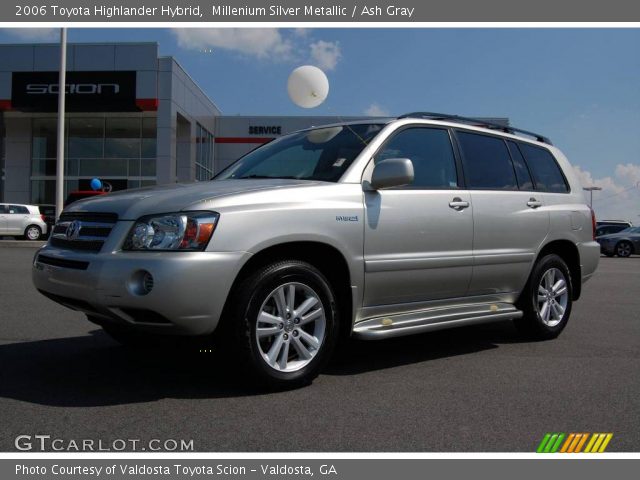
point(433, 319)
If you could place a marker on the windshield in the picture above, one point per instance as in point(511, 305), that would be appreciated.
point(319, 154)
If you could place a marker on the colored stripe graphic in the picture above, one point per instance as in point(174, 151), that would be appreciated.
point(581, 443)
point(543, 443)
point(567, 442)
point(574, 442)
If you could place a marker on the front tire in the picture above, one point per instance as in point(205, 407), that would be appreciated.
point(32, 233)
point(546, 300)
point(283, 325)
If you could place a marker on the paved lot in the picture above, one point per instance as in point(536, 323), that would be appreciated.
point(472, 389)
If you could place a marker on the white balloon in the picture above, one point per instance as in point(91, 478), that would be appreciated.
point(308, 86)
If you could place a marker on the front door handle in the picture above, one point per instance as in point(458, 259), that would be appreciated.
point(533, 203)
point(458, 204)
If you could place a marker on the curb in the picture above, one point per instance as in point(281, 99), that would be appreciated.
point(20, 244)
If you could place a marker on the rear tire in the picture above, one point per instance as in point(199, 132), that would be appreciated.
point(282, 326)
point(624, 249)
point(32, 233)
point(546, 300)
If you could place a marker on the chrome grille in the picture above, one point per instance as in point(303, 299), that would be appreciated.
point(82, 231)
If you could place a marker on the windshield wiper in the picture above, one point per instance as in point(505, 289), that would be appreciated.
point(267, 176)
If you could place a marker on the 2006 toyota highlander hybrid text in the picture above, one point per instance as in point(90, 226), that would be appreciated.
point(368, 229)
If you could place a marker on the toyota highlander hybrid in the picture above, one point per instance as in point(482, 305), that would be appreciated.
point(369, 229)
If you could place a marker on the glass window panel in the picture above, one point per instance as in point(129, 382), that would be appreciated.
point(43, 191)
point(86, 137)
point(544, 169)
point(431, 153)
point(122, 138)
point(149, 126)
point(134, 167)
point(44, 138)
point(101, 167)
point(148, 167)
point(148, 148)
point(487, 163)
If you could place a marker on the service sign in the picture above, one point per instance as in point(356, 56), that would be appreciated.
point(85, 91)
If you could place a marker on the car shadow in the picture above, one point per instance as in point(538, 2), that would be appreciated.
point(92, 370)
point(359, 356)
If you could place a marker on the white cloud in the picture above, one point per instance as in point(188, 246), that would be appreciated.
point(325, 54)
point(256, 42)
point(629, 173)
point(34, 34)
point(301, 32)
point(375, 110)
point(619, 197)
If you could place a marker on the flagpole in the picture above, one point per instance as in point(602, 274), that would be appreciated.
point(62, 81)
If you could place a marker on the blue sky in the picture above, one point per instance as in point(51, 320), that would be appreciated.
point(581, 87)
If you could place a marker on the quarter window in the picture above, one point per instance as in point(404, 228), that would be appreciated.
point(544, 169)
point(431, 153)
point(487, 164)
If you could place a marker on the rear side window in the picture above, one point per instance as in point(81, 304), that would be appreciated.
point(519, 165)
point(486, 161)
point(544, 168)
point(431, 153)
point(18, 209)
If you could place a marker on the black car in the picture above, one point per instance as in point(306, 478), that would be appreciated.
point(48, 214)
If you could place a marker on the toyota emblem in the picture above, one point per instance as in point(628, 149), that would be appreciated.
point(73, 230)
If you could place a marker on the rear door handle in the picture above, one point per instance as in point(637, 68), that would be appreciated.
point(458, 204)
point(533, 203)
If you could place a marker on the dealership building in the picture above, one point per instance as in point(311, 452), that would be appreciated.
point(133, 118)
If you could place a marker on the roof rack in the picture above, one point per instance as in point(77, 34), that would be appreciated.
point(477, 122)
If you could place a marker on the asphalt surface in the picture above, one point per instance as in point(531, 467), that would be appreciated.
point(471, 389)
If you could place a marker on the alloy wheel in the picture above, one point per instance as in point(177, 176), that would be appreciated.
point(553, 296)
point(290, 327)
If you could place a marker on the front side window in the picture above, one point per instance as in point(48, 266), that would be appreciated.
point(320, 154)
point(544, 169)
point(487, 164)
point(431, 153)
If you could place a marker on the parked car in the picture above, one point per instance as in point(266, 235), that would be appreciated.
point(24, 221)
point(622, 244)
point(370, 229)
point(606, 227)
point(48, 213)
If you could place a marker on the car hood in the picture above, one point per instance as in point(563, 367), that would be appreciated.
point(132, 204)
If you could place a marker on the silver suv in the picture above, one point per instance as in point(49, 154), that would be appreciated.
point(372, 230)
point(23, 221)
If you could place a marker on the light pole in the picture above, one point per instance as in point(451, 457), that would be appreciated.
point(62, 81)
point(590, 190)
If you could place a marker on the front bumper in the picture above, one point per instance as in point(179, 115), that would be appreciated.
point(188, 294)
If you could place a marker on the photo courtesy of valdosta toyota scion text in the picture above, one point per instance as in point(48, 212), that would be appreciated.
point(290, 240)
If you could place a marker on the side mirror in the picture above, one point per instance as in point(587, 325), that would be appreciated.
point(392, 172)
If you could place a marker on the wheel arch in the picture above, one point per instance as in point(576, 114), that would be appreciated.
point(568, 251)
point(326, 258)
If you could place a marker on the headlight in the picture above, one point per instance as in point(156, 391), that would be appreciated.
point(183, 231)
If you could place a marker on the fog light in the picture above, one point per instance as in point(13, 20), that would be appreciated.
point(141, 283)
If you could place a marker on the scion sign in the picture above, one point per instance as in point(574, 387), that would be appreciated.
point(86, 91)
